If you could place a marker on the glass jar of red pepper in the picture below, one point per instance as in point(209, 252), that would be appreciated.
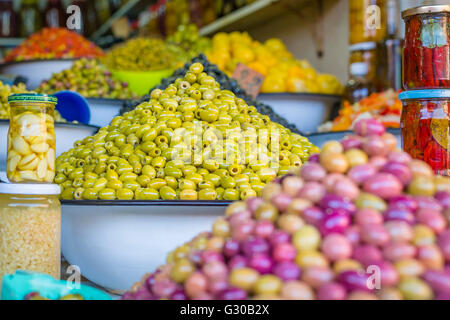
point(425, 127)
point(426, 54)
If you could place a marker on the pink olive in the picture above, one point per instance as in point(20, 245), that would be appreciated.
point(313, 215)
point(196, 284)
point(237, 262)
point(264, 228)
point(217, 287)
point(399, 170)
point(375, 146)
point(374, 234)
point(233, 294)
point(433, 219)
point(313, 172)
point(403, 202)
point(444, 244)
point(164, 288)
point(399, 156)
point(312, 191)
point(334, 201)
point(428, 203)
point(399, 251)
point(239, 217)
point(390, 140)
point(252, 246)
point(367, 254)
point(369, 127)
point(284, 252)
point(243, 230)
point(281, 201)
point(351, 142)
point(279, 236)
point(353, 234)
point(361, 173)
point(253, 203)
point(317, 276)
point(332, 291)
point(261, 263)
point(346, 188)
point(438, 280)
point(292, 185)
point(287, 271)
point(388, 274)
point(215, 270)
point(331, 179)
point(354, 281)
point(336, 247)
point(399, 231)
point(368, 216)
point(377, 162)
point(431, 256)
point(383, 185)
point(231, 248)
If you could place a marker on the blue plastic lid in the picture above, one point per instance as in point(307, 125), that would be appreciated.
point(73, 106)
point(425, 94)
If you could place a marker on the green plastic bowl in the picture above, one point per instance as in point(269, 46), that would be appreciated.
point(141, 82)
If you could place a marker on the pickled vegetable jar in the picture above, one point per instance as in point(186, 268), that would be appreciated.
point(367, 20)
point(31, 139)
point(30, 229)
point(426, 54)
point(425, 127)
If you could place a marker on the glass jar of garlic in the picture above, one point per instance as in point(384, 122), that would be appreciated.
point(31, 138)
point(30, 228)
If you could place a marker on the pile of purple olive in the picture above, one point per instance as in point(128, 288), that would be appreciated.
point(361, 220)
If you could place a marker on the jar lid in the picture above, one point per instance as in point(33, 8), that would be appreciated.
point(29, 188)
point(426, 9)
point(425, 94)
point(363, 46)
point(359, 69)
point(35, 97)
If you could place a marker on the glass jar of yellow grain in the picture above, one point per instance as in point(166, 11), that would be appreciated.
point(368, 20)
point(30, 228)
point(31, 138)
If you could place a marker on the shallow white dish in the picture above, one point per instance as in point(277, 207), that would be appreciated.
point(320, 138)
point(115, 243)
point(306, 111)
point(66, 135)
point(36, 71)
point(103, 110)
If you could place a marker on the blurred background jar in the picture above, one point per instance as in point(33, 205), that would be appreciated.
point(30, 224)
point(359, 86)
point(368, 20)
point(103, 11)
point(8, 19)
point(54, 14)
point(365, 52)
point(30, 17)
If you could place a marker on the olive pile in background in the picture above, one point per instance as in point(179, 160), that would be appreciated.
point(189, 41)
point(142, 54)
point(90, 79)
point(6, 91)
point(361, 220)
point(226, 83)
point(135, 156)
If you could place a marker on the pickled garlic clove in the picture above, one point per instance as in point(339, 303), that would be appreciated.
point(51, 158)
point(28, 175)
point(28, 119)
point(40, 147)
point(42, 169)
point(13, 162)
point(21, 146)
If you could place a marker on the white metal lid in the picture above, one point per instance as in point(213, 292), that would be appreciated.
point(359, 69)
point(33, 189)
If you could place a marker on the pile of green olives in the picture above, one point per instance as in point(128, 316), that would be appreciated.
point(190, 141)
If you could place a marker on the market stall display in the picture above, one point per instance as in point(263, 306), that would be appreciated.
point(283, 73)
point(174, 147)
point(384, 106)
point(89, 78)
point(427, 48)
point(54, 43)
point(189, 41)
point(226, 83)
point(359, 204)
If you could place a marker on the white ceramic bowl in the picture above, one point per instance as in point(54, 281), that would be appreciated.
point(306, 111)
point(36, 71)
point(115, 243)
point(66, 135)
point(103, 110)
point(319, 139)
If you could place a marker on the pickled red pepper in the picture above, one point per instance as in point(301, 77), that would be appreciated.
point(427, 51)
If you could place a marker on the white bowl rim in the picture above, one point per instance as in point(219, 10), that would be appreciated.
point(9, 63)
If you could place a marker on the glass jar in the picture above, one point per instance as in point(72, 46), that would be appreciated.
point(54, 15)
point(30, 229)
point(365, 52)
point(425, 127)
point(367, 20)
point(31, 138)
point(426, 54)
point(359, 86)
point(8, 19)
point(30, 18)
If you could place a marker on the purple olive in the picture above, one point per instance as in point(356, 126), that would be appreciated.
point(399, 170)
point(254, 246)
point(367, 254)
point(351, 142)
point(333, 201)
point(438, 280)
point(313, 215)
point(287, 271)
point(403, 202)
point(233, 294)
point(428, 203)
point(354, 281)
point(337, 221)
point(313, 172)
point(399, 214)
point(279, 236)
point(444, 198)
point(237, 262)
point(369, 127)
point(261, 263)
point(231, 248)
